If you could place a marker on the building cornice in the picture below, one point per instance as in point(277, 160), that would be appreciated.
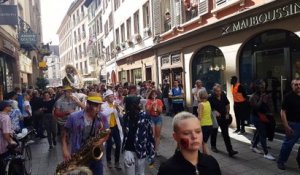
point(227, 20)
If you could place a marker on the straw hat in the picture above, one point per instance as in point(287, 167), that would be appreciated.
point(94, 97)
point(67, 88)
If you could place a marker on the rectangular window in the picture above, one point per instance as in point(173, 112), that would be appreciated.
point(110, 18)
point(80, 52)
point(82, 11)
point(85, 67)
point(79, 35)
point(146, 15)
point(97, 27)
point(84, 49)
point(76, 54)
point(74, 20)
point(75, 38)
point(117, 36)
point(106, 28)
point(136, 22)
point(128, 25)
point(100, 24)
point(122, 33)
point(117, 4)
point(81, 67)
point(83, 31)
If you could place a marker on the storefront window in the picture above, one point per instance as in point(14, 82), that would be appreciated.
point(137, 76)
point(208, 65)
point(123, 76)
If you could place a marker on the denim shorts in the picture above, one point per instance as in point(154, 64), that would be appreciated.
point(156, 120)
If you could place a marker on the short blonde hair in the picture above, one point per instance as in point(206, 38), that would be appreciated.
point(202, 94)
point(179, 117)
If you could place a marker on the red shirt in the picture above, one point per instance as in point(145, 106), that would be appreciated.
point(152, 111)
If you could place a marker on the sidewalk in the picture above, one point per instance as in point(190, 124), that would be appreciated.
point(244, 163)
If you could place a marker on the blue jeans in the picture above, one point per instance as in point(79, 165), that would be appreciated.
point(289, 142)
point(97, 167)
point(156, 120)
point(115, 134)
point(260, 134)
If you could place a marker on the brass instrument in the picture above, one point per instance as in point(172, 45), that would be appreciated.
point(81, 158)
point(73, 77)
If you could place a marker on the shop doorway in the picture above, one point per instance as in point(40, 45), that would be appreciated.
point(272, 66)
point(148, 73)
point(273, 56)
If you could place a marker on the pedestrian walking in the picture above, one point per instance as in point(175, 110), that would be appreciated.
point(154, 108)
point(187, 159)
point(110, 110)
point(65, 105)
point(195, 91)
point(261, 116)
point(51, 125)
point(83, 125)
point(139, 142)
point(220, 108)
point(204, 116)
point(290, 111)
point(165, 95)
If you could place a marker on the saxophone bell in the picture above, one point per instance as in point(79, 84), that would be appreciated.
point(97, 153)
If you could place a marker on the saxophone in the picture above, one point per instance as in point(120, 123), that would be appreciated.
point(80, 159)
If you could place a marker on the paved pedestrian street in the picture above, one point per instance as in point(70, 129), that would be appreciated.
point(244, 163)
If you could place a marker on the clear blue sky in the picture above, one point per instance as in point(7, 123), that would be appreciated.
point(53, 12)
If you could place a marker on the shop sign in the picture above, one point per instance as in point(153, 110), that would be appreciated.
point(27, 38)
point(8, 15)
point(265, 17)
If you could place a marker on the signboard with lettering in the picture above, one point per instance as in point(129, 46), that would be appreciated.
point(262, 18)
point(27, 38)
point(8, 15)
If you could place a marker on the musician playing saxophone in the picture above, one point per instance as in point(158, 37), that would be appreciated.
point(81, 126)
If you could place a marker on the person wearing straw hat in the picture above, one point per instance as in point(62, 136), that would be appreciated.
point(65, 105)
point(83, 125)
point(110, 110)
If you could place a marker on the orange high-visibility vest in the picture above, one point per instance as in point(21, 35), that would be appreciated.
point(237, 96)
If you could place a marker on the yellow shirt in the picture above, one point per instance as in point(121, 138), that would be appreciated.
point(112, 121)
point(206, 117)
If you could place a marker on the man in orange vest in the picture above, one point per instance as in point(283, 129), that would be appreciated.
point(240, 104)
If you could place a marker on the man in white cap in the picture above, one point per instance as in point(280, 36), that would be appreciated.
point(109, 109)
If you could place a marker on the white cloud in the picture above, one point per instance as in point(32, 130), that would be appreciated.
point(53, 12)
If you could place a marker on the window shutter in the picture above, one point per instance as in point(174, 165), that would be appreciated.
point(176, 12)
point(220, 2)
point(157, 17)
point(202, 7)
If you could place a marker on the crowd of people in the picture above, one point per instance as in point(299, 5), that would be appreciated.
point(133, 114)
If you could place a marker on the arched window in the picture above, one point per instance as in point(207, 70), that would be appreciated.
point(208, 65)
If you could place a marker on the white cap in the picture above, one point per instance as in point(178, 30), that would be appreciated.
point(107, 93)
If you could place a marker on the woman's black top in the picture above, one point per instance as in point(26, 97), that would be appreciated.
point(178, 165)
point(48, 105)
